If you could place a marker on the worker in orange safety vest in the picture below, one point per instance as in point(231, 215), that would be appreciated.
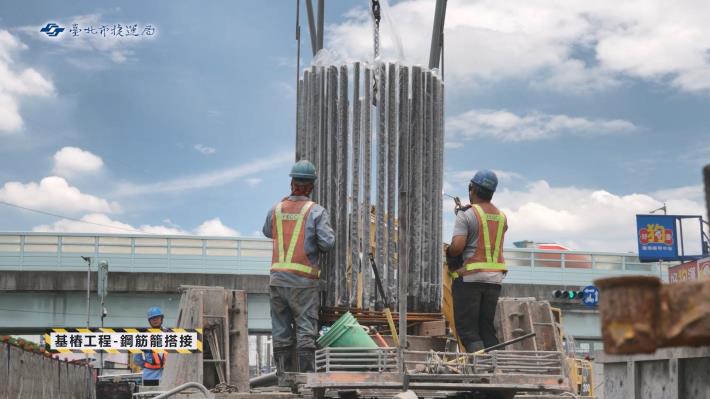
point(152, 362)
point(300, 230)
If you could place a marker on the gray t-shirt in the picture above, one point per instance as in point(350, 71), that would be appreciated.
point(467, 225)
point(319, 237)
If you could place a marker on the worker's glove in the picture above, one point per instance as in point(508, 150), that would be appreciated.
point(453, 262)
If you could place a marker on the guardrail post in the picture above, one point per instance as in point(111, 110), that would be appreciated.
point(60, 243)
point(22, 252)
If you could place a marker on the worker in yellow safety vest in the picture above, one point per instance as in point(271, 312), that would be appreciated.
point(476, 264)
point(300, 230)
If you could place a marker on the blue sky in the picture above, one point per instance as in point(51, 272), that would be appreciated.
point(590, 112)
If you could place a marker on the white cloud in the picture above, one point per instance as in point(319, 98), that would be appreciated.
point(91, 223)
point(210, 179)
point(254, 181)
point(565, 45)
point(100, 223)
point(204, 150)
point(16, 81)
point(73, 161)
point(585, 218)
point(53, 193)
point(507, 126)
point(215, 227)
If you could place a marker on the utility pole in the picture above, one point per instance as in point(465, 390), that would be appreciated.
point(664, 208)
point(102, 290)
point(87, 259)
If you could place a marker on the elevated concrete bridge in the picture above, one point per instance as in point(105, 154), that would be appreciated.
point(43, 277)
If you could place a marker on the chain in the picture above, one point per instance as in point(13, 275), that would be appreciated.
point(376, 14)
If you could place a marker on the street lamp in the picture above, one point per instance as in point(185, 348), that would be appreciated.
point(87, 259)
point(663, 208)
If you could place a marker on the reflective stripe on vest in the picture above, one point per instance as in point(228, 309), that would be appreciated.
point(491, 263)
point(158, 362)
point(285, 260)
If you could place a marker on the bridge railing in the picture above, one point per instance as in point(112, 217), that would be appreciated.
point(535, 266)
point(242, 255)
point(133, 253)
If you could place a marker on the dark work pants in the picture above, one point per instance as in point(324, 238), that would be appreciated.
point(474, 311)
point(294, 317)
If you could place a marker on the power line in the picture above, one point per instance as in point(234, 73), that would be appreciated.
point(70, 218)
point(59, 313)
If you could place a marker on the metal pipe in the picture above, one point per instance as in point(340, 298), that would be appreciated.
point(706, 178)
point(437, 34)
point(183, 387)
point(380, 232)
point(312, 32)
point(366, 108)
point(264, 380)
point(403, 232)
point(321, 18)
point(355, 231)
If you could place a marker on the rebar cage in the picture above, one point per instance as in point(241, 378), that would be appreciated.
point(340, 109)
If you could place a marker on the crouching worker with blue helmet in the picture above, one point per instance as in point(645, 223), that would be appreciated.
point(152, 362)
point(300, 230)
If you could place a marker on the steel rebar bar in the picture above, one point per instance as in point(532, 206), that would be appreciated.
point(355, 230)
point(331, 135)
point(304, 110)
point(300, 130)
point(416, 187)
point(403, 179)
point(366, 109)
point(381, 190)
point(439, 173)
point(391, 178)
point(342, 188)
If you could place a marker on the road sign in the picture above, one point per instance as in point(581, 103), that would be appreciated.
point(591, 296)
point(657, 238)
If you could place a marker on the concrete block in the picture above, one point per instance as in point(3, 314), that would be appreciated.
point(694, 378)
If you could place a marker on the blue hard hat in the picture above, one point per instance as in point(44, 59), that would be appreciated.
point(303, 170)
point(154, 312)
point(486, 179)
